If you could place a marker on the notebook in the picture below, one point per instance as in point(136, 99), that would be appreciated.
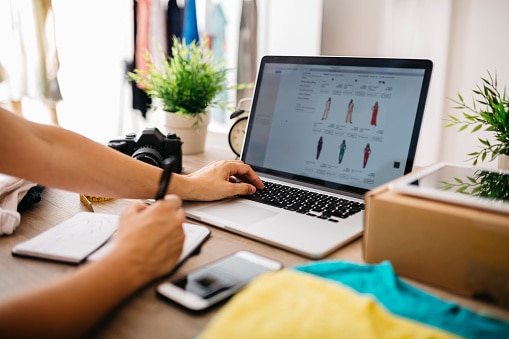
point(333, 126)
point(90, 236)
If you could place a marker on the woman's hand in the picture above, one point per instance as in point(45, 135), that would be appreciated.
point(219, 180)
point(151, 237)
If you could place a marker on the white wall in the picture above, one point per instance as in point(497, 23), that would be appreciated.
point(464, 38)
point(479, 44)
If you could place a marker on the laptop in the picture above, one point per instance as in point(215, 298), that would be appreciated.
point(328, 128)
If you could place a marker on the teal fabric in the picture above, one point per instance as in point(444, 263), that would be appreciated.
point(405, 300)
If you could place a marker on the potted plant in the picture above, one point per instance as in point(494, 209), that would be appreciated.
point(187, 85)
point(489, 111)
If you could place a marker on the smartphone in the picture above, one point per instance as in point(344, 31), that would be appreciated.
point(210, 284)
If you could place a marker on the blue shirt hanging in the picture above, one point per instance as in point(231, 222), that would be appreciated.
point(190, 28)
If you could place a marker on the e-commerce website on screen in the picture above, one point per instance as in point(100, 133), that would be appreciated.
point(347, 125)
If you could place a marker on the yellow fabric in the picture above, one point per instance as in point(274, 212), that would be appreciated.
point(291, 304)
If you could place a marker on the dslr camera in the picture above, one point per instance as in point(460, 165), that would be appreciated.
point(152, 147)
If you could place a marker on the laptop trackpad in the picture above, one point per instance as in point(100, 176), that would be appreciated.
point(238, 212)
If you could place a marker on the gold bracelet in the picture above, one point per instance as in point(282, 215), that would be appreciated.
point(87, 200)
point(97, 199)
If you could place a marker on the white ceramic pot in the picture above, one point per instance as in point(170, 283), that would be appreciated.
point(193, 137)
point(503, 162)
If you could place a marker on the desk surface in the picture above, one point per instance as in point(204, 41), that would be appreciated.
point(144, 313)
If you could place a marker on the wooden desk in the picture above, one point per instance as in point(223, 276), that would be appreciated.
point(144, 314)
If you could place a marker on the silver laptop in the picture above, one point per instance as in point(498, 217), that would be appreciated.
point(327, 129)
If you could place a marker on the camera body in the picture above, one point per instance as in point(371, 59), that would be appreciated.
point(151, 147)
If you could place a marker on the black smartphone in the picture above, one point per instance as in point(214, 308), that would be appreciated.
point(210, 284)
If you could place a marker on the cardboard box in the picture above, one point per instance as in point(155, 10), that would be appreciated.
point(461, 249)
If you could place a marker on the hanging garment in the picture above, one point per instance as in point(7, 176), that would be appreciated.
point(141, 100)
point(190, 28)
point(150, 34)
point(174, 20)
point(248, 51)
point(216, 24)
point(141, 47)
point(150, 37)
point(157, 32)
point(29, 53)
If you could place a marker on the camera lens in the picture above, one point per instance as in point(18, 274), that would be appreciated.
point(150, 155)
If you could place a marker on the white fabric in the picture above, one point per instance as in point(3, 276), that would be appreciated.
point(12, 190)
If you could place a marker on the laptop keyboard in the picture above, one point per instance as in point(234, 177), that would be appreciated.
point(306, 202)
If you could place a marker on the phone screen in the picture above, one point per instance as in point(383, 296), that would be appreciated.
point(219, 276)
point(217, 281)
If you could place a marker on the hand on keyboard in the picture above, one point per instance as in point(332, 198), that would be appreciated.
point(306, 202)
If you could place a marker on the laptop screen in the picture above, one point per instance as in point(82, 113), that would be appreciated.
point(343, 123)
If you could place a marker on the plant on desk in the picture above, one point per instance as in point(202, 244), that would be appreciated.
point(489, 112)
point(187, 85)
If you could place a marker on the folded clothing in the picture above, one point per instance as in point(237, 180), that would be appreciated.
point(12, 191)
point(292, 304)
point(405, 300)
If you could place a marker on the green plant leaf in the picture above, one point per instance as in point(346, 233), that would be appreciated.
point(476, 190)
point(462, 128)
point(472, 180)
point(476, 128)
point(188, 82)
point(469, 116)
point(485, 142)
point(453, 118)
point(458, 180)
point(462, 189)
point(489, 112)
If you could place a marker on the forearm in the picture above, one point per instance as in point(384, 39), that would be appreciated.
point(148, 243)
point(100, 170)
point(78, 164)
point(52, 156)
point(91, 168)
point(70, 307)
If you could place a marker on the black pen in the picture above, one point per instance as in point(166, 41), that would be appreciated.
point(165, 178)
